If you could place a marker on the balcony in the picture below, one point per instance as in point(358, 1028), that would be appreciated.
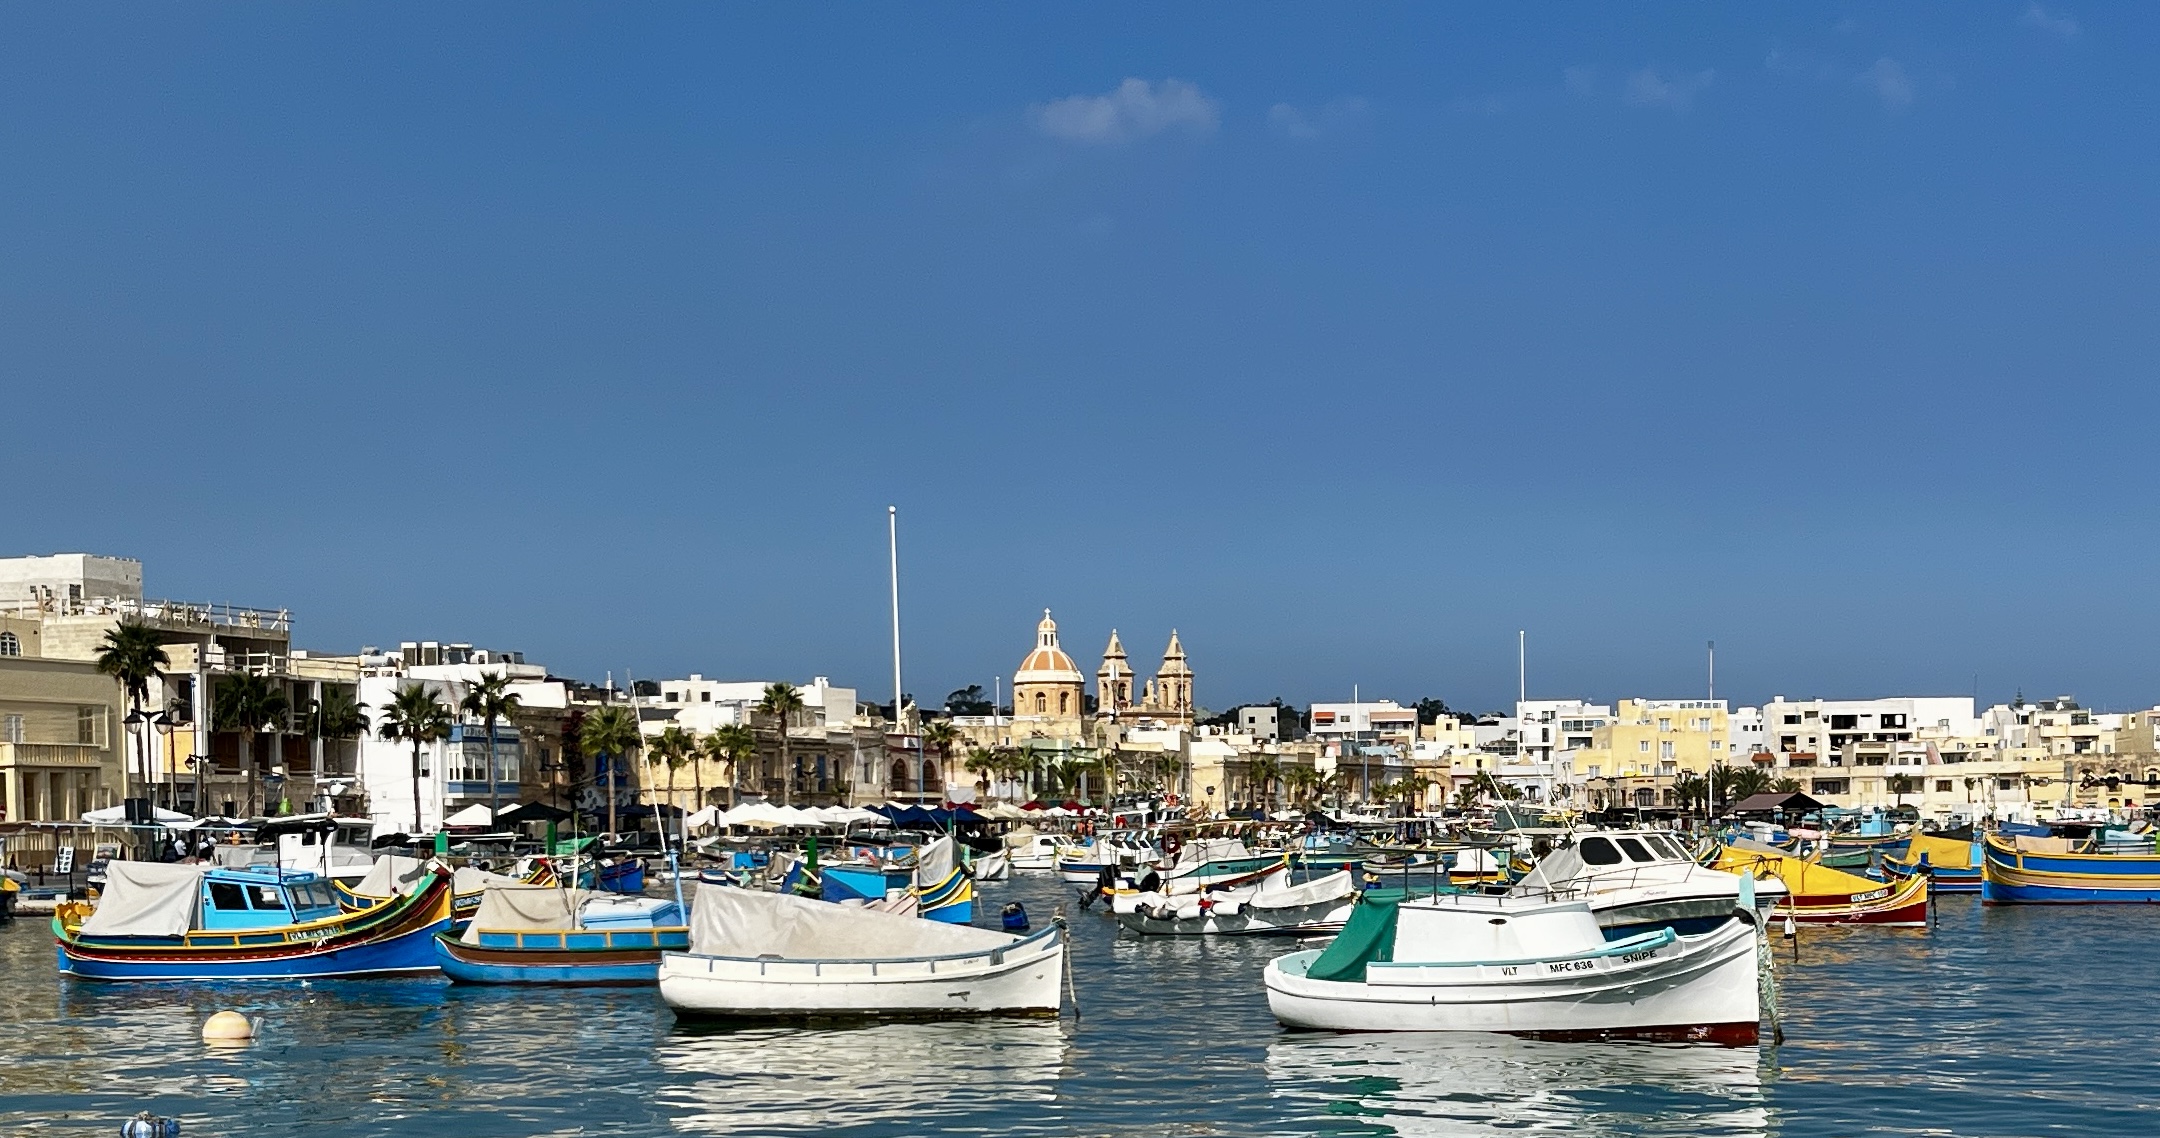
point(51, 755)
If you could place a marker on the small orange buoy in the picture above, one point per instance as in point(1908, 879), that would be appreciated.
point(228, 1027)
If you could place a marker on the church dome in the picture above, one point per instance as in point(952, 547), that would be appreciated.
point(1048, 663)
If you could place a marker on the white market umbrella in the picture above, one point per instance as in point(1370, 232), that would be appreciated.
point(117, 816)
point(473, 815)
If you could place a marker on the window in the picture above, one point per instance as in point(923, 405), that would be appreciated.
point(1064, 702)
point(87, 721)
point(1042, 703)
point(704, 697)
point(1598, 851)
point(11, 729)
point(266, 898)
point(1665, 749)
point(227, 897)
point(1793, 720)
point(2006, 784)
point(1635, 850)
point(1942, 786)
point(1643, 745)
point(1664, 725)
point(9, 645)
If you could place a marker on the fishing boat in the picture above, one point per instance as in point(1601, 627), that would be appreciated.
point(538, 934)
point(1270, 907)
point(158, 921)
point(1039, 854)
point(942, 887)
point(1950, 862)
point(393, 876)
point(1819, 895)
point(1473, 962)
point(991, 866)
point(1083, 865)
point(1210, 862)
point(2024, 870)
point(771, 956)
point(1639, 881)
point(841, 881)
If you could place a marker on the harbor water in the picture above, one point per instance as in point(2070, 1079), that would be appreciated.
point(2002, 1021)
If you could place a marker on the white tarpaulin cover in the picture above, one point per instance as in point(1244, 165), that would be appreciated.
point(934, 862)
point(1275, 891)
point(473, 815)
point(743, 924)
point(703, 818)
point(761, 814)
point(468, 881)
point(146, 898)
point(391, 876)
point(524, 907)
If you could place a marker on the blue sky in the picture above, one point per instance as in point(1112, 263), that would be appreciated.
point(1346, 341)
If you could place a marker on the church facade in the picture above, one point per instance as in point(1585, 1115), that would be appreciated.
point(1050, 693)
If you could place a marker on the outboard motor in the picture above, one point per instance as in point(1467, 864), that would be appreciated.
point(1014, 918)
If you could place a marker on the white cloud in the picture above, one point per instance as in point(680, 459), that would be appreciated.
point(1303, 125)
point(2056, 23)
point(1647, 88)
point(1888, 82)
point(1135, 108)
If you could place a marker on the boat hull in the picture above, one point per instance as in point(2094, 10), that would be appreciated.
point(1690, 988)
point(2010, 876)
point(1303, 920)
point(1024, 979)
point(589, 957)
point(388, 940)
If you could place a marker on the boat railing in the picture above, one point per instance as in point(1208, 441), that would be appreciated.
point(995, 956)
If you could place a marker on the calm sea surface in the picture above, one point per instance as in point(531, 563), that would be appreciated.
point(1998, 1022)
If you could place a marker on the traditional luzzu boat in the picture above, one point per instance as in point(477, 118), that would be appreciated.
point(942, 887)
point(1950, 862)
point(1638, 881)
point(538, 934)
point(1817, 894)
point(1270, 907)
point(158, 921)
point(393, 876)
point(1472, 962)
point(1211, 862)
point(2026, 870)
point(1083, 865)
point(771, 956)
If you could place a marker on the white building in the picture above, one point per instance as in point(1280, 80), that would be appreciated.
point(1826, 727)
point(1747, 738)
point(463, 769)
point(1371, 740)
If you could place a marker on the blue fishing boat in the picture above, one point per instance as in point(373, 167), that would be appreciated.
point(942, 886)
point(530, 934)
point(156, 921)
point(862, 882)
point(2023, 870)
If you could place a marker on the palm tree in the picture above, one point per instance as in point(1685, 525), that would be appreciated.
point(1262, 771)
point(730, 746)
point(1901, 785)
point(673, 749)
point(779, 705)
point(417, 717)
point(983, 765)
point(132, 654)
point(1792, 785)
point(610, 731)
point(246, 703)
point(941, 736)
point(338, 716)
point(1413, 788)
point(489, 700)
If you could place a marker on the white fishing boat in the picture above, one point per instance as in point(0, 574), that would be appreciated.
point(1038, 855)
point(1639, 881)
point(1270, 907)
point(1083, 865)
point(991, 866)
point(1523, 967)
point(773, 956)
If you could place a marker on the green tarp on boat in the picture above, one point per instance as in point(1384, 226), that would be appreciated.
point(1367, 936)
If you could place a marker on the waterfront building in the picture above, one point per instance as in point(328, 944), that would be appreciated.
point(1049, 694)
point(1746, 727)
point(60, 753)
point(187, 753)
point(1634, 759)
point(520, 763)
point(1267, 722)
point(841, 751)
point(1364, 743)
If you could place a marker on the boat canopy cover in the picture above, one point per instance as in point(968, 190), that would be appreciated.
point(1368, 935)
point(1275, 891)
point(469, 881)
point(934, 862)
point(518, 907)
point(146, 898)
point(739, 923)
point(391, 876)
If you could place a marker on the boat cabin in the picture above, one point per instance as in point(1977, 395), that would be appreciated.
point(260, 899)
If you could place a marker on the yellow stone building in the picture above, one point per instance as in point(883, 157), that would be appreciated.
point(1633, 760)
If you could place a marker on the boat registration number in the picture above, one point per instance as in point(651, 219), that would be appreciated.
point(1639, 957)
point(1877, 895)
point(1571, 966)
point(308, 934)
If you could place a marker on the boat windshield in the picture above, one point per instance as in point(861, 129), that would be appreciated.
point(1663, 847)
point(1598, 851)
point(1635, 850)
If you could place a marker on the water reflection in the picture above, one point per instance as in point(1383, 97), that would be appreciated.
point(926, 1078)
point(1466, 1084)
